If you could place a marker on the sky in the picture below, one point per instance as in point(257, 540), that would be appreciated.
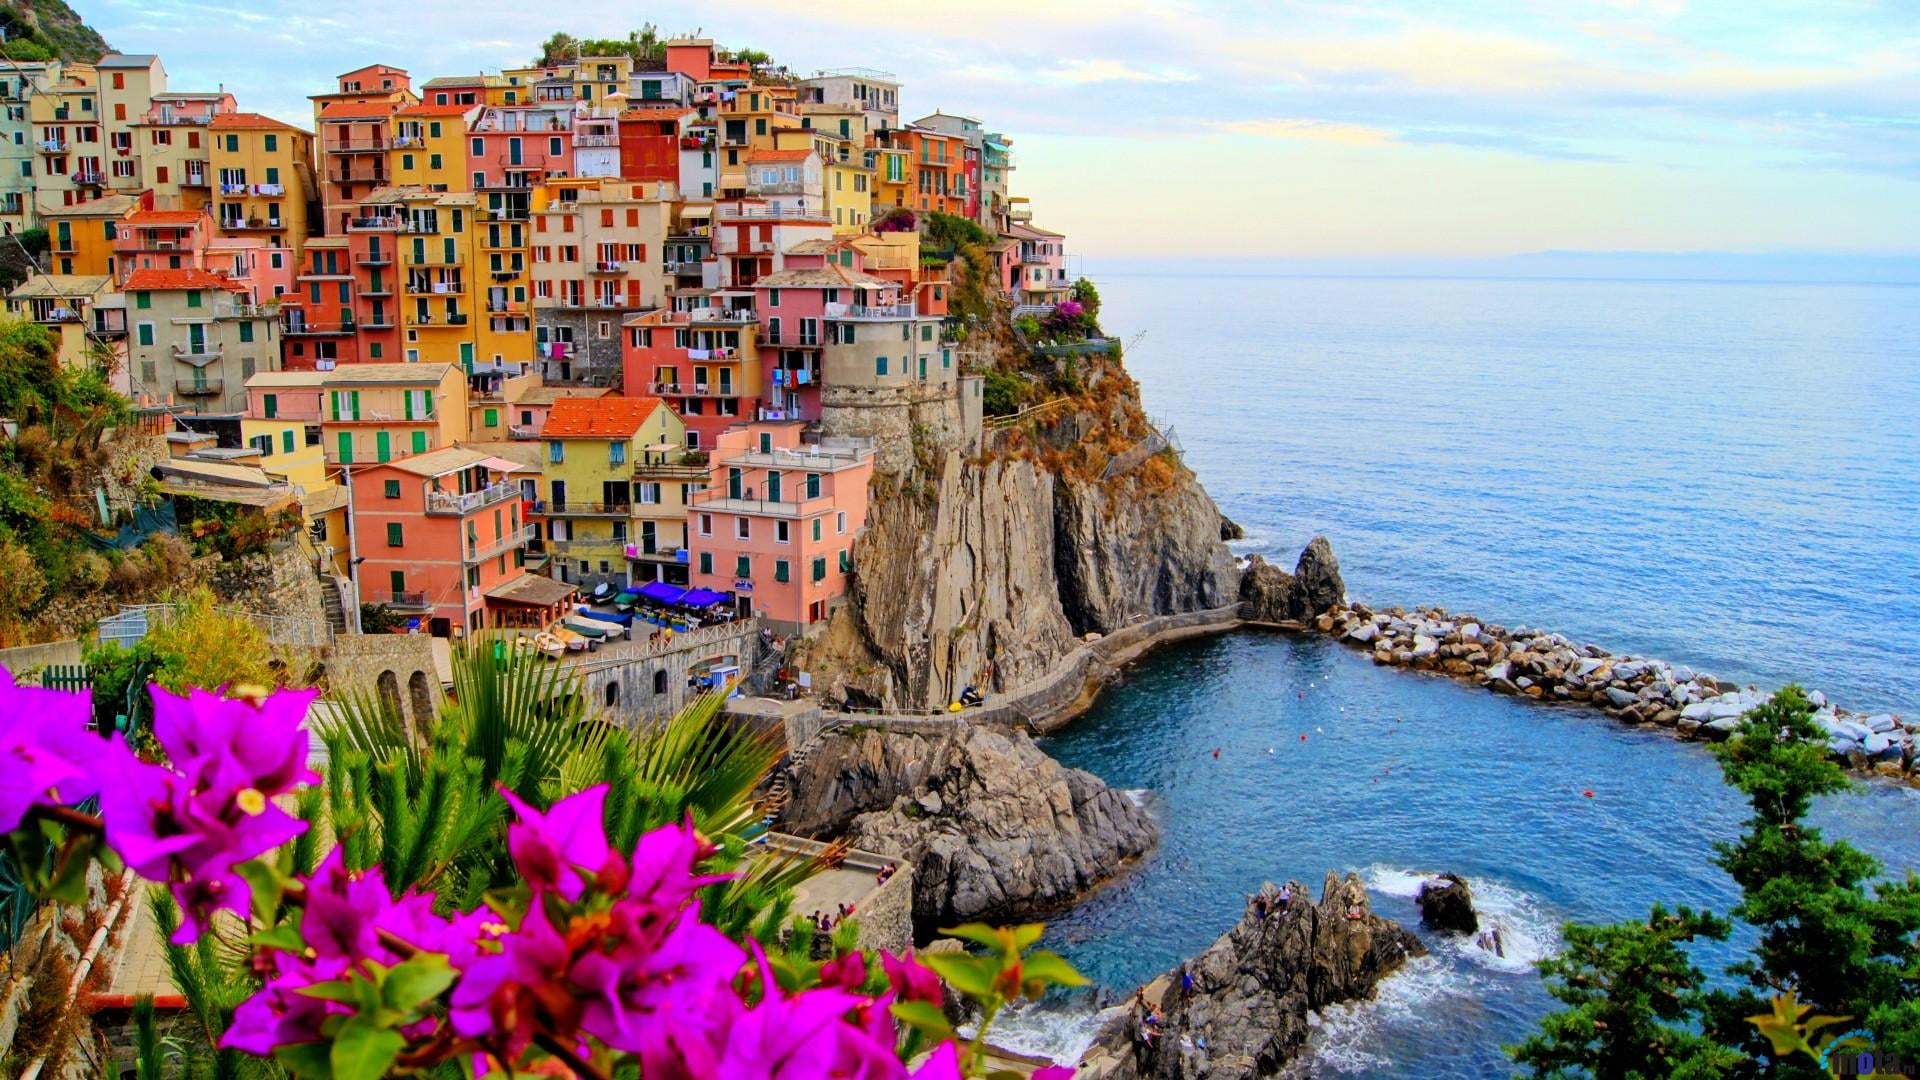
point(1308, 129)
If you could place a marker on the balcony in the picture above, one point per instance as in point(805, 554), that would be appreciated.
point(196, 355)
point(778, 187)
point(378, 322)
point(53, 146)
point(195, 176)
point(1019, 213)
point(684, 266)
point(408, 142)
point(374, 258)
point(604, 267)
point(199, 387)
point(596, 140)
point(372, 224)
point(704, 390)
point(435, 288)
point(369, 145)
point(851, 312)
point(478, 553)
point(1029, 258)
point(317, 329)
point(243, 311)
point(58, 315)
point(574, 508)
point(406, 601)
point(445, 502)
point(796, 210)
point(377, 290)
point(89, 178)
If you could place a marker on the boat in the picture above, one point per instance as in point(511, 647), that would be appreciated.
point(586, 628)
point(603, 623)
point(573, 641)
point(549, 644)
point(602, 592)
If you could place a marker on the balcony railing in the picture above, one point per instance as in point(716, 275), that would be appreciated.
point(89, 177)
point(796, 210)
point(196, 354)
point(408, 601)
point(374, 258)
point(606, 267)
point(719, 390)
point(372, 224)
point(317, 329)
point(435, 288)
point(403, 142)
point(575, 508)
point(199, 388)
point(446, 502)
point(596, 140)
point(355, 146)
point(480, 552)
point(777, 187)
point(243, 311)
point(53, 146)
point(869, 311)
point(1030, 258)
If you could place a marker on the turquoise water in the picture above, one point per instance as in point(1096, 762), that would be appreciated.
point(1720, 475)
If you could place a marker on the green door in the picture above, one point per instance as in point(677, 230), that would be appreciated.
point(733, 483)
point(466, 356)
point(346, 448)
point(773, 486)
point(272, 403)
point(398, 579)
point(419, 442)
point(383, 446)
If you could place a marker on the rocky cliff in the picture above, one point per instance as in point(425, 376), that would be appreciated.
point(992, 826)
point(1245, 1013)
point(982, 568)
point(42, 29)
point(1270, 594)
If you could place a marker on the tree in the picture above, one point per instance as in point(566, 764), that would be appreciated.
point(1830, 939)
point(1633, 994)
point(20, 261)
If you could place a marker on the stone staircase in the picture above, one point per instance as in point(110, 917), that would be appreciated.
point(330, 591)
point(780, 792)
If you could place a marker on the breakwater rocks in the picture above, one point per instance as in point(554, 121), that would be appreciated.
point(1549, 667)
point(1240, 1008)
point(992, 826)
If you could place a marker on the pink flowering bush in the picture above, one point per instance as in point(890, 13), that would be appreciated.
point(597, 962)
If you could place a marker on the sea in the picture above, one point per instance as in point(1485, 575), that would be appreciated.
point(1721, 474)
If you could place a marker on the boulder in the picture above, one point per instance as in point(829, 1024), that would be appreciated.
point(1246, 1012)
point(1363, 633)
point(1620, 698)
point(993, 827)
point(1446, 903)
point(1270, 594)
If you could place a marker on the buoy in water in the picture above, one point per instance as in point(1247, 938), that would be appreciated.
point(1216, 751)
point(1303, 738)
point(1588, 793)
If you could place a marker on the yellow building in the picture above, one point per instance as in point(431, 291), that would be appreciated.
point(595, 78)
point(263, 170)
point(83, 313)
point(128, 83)
point(465, 277)
point(598, 257)
point(69, 153)
point(847, 178)
point(468, 90)
point(174, 142)
point(380, 412)
point(80, 237)
point(894, 178)
point(596, 506)
point(429, 145)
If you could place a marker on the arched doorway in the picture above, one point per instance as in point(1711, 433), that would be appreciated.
point(421, 692)
point(387, 686)
point(613, 693)
point(660, 681)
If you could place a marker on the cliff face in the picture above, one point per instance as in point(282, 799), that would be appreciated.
point(983, 569)
point(992, 826)
point(52, 26)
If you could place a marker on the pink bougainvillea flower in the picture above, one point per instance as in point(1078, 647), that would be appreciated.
point(551, 848)
point(46, 751)
point(636, 988)
point(845, 973)
point(910, 980)
point(508, 995)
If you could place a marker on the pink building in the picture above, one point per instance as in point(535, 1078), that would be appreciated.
point(805, 313)
point(1036, 265)
point(285, 395)
point(161, 240)
point(752, 236)
point(437, 534)
point(705, 363)
point(513, 148)
point(265, 270)
point(777, 522)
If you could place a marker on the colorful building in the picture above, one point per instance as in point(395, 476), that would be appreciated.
point(704, 362)
point(64, 126)
point(777, 522)
point(383, 412)
point(265, 175)
point(429, 146)
point(596, 502)
point(173, 145)
point(81, 237)
point(351, 123)
point(19, 148)
point(197, 337)
point(85, 314)
point(128, 83)
point(596, 251)
point(435, 534)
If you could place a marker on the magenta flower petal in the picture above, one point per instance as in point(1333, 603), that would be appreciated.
point(549, 849)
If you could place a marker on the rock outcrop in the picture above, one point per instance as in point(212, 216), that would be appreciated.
point(1446, 903)
point(1245, 1012)
point(993, 827)
point(1270, 594)
point(988, 567)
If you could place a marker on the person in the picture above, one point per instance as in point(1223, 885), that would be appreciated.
point(1353, 911)
point(1286, 895)
point(1186, 985)
point(1260, 906)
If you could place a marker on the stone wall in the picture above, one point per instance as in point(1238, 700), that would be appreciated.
point(408, 668)
point(27, 658)
point(900, 419)
point(885, 912)
point(280, 584)
point(641, 681)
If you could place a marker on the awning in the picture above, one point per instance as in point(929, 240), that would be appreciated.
point(500, 464)
point(702, 597)
point(696, 210)
point(662, 592)
point(533, 589)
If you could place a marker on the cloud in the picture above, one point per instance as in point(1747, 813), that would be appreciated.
point(1075, 73)
point(1294, 127)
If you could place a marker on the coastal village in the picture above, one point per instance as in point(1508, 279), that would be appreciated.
point(513, 340)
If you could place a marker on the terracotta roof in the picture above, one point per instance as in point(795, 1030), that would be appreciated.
point(547, 395)
point(535, 589)
point(423, 109)
point(166, 217)
point(356, 110)
point(602, 417)
point(145, 280)
point(830, 276)
point(252, 122)
point(439, 462)
point(778, 155)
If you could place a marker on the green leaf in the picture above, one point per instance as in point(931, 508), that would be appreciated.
point(980, 934)
point(1050, 968)
point(971, 975)
point(341, 991)
point(922, 1016)
point(268, 887)
point(69, 882)
point(362, 1051)
point(308, 1059)
point(418, 981)
point(1024, 936)
point(285, 937)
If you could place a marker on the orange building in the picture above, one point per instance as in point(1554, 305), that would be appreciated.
point(435, 533)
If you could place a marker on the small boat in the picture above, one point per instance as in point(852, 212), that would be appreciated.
point(574, 642)
point(549, 644)
point(602, 592)
point(585, 627)
point(606, 624)
point(627, 600)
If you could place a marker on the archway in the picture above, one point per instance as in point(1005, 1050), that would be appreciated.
point(387, 686)
point(660, 681)
point(613, 693)
point(422, 694)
